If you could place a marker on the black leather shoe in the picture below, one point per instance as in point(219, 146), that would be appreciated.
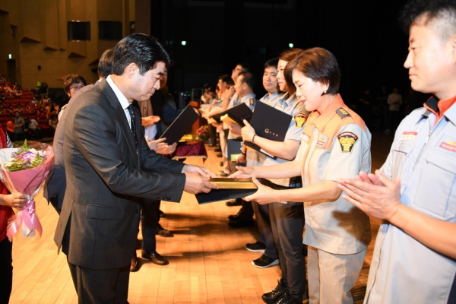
point(218, 150)
point(276, 294)
point(219, 155)
point(236, 202)
point(287, 299)
point(134, 264)
point(155, 258)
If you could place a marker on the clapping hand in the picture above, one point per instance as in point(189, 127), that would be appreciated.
point(375, 194)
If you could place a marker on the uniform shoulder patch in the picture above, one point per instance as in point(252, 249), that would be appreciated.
point(342, 113)
point(347, 140)
point(300, 119)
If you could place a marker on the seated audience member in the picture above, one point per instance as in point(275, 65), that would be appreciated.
point(33, 129)
point(10, 128)
point(19, 127)
point(53, 121)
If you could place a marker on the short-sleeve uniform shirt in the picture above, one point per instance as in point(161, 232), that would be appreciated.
point(335, 144)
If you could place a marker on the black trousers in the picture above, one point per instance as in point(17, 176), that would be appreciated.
point(6, 270)
point(101, 286)
point(264, 227)
point(149, 223)
point(287, 223)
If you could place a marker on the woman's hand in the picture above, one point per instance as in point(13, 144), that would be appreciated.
point(242, 172)
point(14, 200)
point(264, 195)
point(247, 132)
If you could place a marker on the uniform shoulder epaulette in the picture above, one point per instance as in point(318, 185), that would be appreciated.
point(342, 113)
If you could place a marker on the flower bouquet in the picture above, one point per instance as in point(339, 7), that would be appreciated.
point(23, 170)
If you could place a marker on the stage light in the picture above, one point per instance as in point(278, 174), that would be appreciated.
point(291, 45)
point(183, 42)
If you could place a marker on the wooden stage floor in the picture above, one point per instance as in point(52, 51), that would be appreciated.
point(208, 260)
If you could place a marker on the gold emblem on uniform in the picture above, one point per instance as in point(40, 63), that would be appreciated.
point(300, 119)
point(347, 140)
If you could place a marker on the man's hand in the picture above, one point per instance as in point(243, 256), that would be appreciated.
point(196, 183)
point(167, 150)
point(264, 195)
point(199, 170)
point(375, 194)
point(149, 120)
point(234, 128)
point(242, 172)
point(247, 132)
point(14, 200)
point(157, 145)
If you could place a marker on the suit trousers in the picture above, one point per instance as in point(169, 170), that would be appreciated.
point(331, 276)
point(150, 215)
point(264, 226)
point(101, 286)
point(287, 223)
point(6, 270)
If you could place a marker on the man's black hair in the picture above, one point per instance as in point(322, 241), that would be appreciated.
point(140, 49)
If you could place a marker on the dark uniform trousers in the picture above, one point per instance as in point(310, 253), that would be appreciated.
point(287, 223)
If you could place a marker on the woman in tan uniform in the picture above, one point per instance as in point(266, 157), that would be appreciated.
point(335, 144)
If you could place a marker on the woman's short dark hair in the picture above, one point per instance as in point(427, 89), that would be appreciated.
point(288, 56)
point(319, 65)
point(71, 79)
point(140, 49)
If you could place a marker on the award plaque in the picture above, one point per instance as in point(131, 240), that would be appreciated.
point(233, 183)
point(229, 188)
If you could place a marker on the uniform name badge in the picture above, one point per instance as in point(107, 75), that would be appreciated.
point(305, 137)
point(449, 145)
point(409, 135)
point(322, 140)
point(347, 140)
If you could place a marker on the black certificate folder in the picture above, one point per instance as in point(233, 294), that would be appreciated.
point(223, 194)
point(269, 123)
point(181, 125)
point(237, 114)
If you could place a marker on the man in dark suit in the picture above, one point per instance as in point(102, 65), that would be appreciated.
point(109, 167)
point(54, 188)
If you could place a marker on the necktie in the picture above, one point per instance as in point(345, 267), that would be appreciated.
point(133, 126)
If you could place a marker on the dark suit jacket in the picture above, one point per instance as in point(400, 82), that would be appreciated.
point(56, 183)
point(105, 178)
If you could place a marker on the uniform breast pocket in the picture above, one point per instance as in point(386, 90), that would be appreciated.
point(435, 193)
point(401, 154)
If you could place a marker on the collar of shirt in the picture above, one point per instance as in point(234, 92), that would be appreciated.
point(121, 97)
point(440, 108)
point(268, 97)
point(324, 118)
